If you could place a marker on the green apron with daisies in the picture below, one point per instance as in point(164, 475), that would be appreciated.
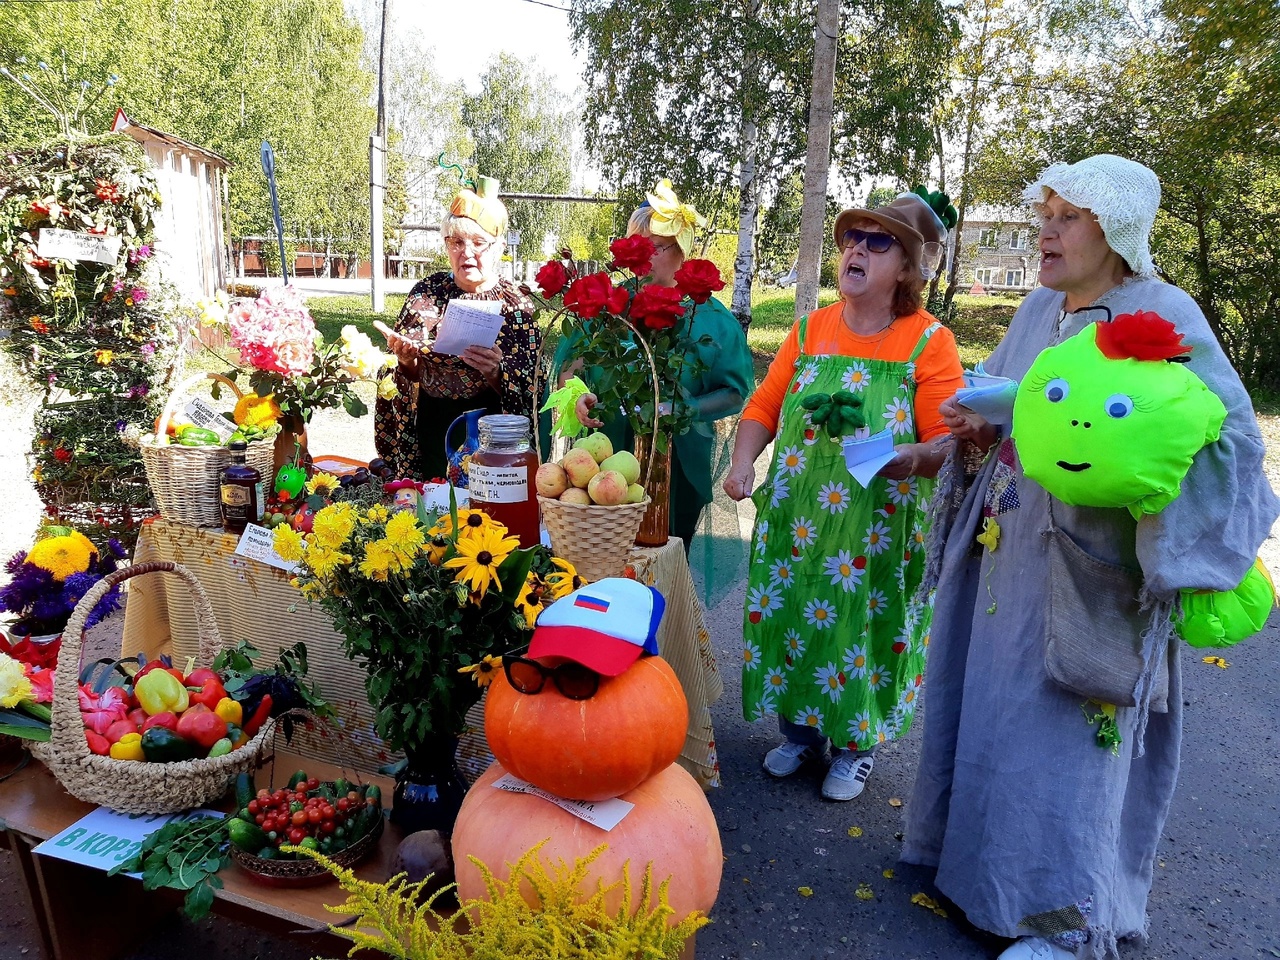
point(832, 636)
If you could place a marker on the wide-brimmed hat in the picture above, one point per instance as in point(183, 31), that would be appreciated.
point(1123, 194)
point(908, 217)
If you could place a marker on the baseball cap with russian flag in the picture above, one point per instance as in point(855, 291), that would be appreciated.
point(605, 626)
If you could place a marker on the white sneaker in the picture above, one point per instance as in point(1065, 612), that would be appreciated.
point(787, 757)
point(1036, 948)
point(847, 776)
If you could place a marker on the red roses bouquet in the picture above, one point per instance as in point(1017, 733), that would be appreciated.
point(603, 315)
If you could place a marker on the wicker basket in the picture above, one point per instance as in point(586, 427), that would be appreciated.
point(185, 479)
point(596, 539)
point(305, 872)
point(131, 786)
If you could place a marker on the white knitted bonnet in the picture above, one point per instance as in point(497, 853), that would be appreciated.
point(1123, 194)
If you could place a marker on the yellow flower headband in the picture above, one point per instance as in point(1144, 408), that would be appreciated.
point(483, 206)
point(671, 218)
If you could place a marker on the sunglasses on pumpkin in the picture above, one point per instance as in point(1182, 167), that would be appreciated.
point(573, 680)
point(876, 242)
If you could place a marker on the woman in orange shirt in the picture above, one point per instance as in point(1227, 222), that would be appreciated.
point(833, 640)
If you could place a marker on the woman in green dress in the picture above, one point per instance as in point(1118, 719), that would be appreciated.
point(717, 384)
point(833, 641)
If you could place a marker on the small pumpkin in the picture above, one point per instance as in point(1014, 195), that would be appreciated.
point(590, 749)
point(671, 826)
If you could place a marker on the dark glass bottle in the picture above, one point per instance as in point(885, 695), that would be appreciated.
point(241, 491)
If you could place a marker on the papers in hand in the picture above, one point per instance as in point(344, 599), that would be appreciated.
point(468, 323)
point(867, 456)
point(990, 397)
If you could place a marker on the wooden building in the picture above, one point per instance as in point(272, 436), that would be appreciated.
point(191, 230)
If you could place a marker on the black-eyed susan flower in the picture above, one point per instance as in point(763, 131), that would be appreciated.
point(479, 558)
point(484, 671)
point(565, 580)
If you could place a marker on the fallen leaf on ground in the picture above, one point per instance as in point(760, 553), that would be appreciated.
point(888, 874)
point(895, 802)
point(1216, 661)
point(805, 891)
point(926, 901)
point(864, 892)
point(855, 832)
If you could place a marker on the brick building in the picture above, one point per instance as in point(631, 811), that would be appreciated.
point(997, 251)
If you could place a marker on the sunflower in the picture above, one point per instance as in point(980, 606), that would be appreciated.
point(480, 556)
point(254, 411)
point(63, 556)
point(322, 483)
point(565, 580)
point(484, 671)
point(288, 543)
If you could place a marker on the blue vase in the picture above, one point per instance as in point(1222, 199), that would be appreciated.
point(460, 457)
point(430, 789)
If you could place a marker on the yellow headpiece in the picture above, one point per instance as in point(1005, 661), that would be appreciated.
point(671, 218)
point(483, 206)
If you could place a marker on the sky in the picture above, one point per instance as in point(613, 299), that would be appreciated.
point(532, 31)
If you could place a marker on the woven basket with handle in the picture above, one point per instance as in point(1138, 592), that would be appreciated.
point(132, 786)
point(185, 480)
point(596, 539)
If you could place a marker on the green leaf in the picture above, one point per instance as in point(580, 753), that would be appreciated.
point(198, 902)
point(354, 405)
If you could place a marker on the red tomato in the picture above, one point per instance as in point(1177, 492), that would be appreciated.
point(296, 835)
point(299, 818)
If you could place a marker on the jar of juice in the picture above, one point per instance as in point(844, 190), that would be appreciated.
point(501, 476)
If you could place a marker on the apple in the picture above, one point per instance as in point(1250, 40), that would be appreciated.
point(575, 495)
point(625, 463)
point(635, 494)
point(608, 488)
point(597, 444)
point(551, 480)
point(580, 466)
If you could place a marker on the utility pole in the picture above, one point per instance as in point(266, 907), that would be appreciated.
point(813, 230)
point(378, 171)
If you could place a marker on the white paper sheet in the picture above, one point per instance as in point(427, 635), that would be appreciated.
point(867, 456)
point(605, 814)
point(102, 838)
point(468, 323)
point(992, 397)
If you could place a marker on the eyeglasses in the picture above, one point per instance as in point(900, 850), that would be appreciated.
point(458, 244)
point(664, 248)
point(572, 679)
point(876, 242)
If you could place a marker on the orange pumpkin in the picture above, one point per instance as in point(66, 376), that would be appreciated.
point(590, 749)
point(672, 826)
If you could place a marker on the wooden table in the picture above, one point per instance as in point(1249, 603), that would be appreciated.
point(78, 909)
point(256, 602)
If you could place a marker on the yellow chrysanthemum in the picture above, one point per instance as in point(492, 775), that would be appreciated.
point(104, 357)
point(565, 580)
point(378, 560)
point(322, 483)
point(288, 543)
point(63, 556)
point(14, 685)
point(255, 411)
point(479, 558)
point(404, 533)
point(387, 389)
point(324, 562)
point(376, 514)
point(484, 671)
point(333, 525)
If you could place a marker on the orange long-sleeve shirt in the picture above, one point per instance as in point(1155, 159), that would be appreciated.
point(939, 373)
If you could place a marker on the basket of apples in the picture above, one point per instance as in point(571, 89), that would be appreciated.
point(592, 503)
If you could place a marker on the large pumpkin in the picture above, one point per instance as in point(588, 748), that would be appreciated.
point(672, 826)
point(590, 749)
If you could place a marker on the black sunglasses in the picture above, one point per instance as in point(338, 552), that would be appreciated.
point(572, 679)
point(876, 242)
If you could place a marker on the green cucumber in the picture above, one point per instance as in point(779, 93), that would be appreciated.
point(247, 836)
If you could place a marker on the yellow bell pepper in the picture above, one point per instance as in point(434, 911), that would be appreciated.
point(159, 691)
point(128, 747)
point(230, 711)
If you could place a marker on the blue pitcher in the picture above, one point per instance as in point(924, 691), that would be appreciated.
point(460, 458)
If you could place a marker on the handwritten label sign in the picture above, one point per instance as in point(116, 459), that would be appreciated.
point(201, 413)
point(55, 244)
point(258, 543)
point(605, 814)
point(103, 838)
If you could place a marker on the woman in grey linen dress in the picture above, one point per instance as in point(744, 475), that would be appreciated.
point(1037, 832)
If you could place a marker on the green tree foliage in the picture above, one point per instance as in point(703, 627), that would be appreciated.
point(225, 74)
point(522, 136)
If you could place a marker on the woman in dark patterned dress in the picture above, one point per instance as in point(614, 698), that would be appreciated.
point(434, 389)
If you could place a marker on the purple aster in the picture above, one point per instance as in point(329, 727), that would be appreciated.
point(136, 391)
point(16, 561)
point(120, 424)
point(148, 350)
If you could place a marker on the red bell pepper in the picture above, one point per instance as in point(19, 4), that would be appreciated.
point(158, 664)
point(208, 692)
point(201, 726)
point(166, 719)
point(98, 743)
point(255, 722)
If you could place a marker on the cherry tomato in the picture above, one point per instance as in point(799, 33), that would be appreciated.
point(344, 804)
point(314, 815)
point(299, 818)
point(327, 827)
point(264, 794)
point(254, 806)
point(312, 783)
point(260, 819)
point(295, 835)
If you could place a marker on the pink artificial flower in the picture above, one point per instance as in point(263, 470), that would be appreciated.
point(41, 685)
point(100, 712)
point(138, 294)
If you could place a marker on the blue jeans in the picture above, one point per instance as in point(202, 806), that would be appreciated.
point(812, 737)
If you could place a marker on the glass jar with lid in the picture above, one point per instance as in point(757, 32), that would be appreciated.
point(501, 475)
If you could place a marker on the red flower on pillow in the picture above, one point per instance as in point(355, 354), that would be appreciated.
point(551, 278)
point(657, 308)
point(588, 295)
point(1142, 335)
point(633, 253)
point(698, 279)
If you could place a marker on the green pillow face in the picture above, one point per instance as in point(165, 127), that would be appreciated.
point(1099, 432)
point(1221, 619)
